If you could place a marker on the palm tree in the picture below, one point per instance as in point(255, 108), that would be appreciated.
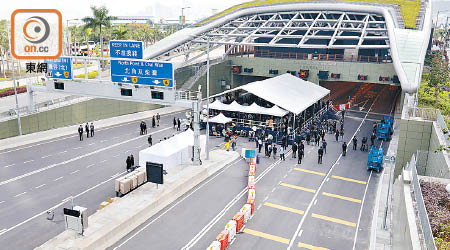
point(120, 32)
point(99, 20)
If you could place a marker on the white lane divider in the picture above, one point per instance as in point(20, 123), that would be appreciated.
point(76, 171)
point(63, 152)
point(1, 202)
point(54, 207)
point(2, 231)
point(103, 161)
point(27, 161)
point(300, 233)
point(7, 166)
point(77, 148)
point(116, 155)
point(90, 165)
point(59, 178)
point(17, 195)
point(46, 156)
point(90, 144)
point(174, 205)
point(76, 158)
point(40, 186)
point(360, 210)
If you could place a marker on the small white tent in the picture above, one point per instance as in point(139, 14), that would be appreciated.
point(220, 118)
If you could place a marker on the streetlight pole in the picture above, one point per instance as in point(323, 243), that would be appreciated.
point(19, 124)
point(70, 42)
point(207, 101)
point(182, 14)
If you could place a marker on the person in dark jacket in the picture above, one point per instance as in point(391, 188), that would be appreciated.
point(80, 132)
point(355, 143)
point(320, 154)
point(178, 124)
point(86, 127)
point(294, 150)
point(158, 117)
point(364, 144)
point(308, 138)
point(344, 149)
point(153, 122)
point(336, 135)
point(275, 150)
point(132, 160)
point(141, 126)
point(372, 139)
point(174, 122)
point(324, 145)
point(300, 156)
point(128, 161)
point(92, 129)
point(150, 140)
point(145, 128)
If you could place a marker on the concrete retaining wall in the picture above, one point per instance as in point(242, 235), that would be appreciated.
point(91, 110)
point(438, 163)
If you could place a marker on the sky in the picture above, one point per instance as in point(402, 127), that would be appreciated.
point(168, 9)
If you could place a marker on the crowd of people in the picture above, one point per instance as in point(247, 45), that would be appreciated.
point(88, 128)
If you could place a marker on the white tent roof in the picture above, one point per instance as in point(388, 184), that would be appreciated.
point(276, 111)
point(234, 106)
point(287, 91)
point(217, 105)
point(220, 118)
point(254, 109)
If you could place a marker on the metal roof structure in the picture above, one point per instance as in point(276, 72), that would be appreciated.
point(314, 25)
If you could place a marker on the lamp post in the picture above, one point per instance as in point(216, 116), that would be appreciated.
point(182, 14)
point(69, 42)
point(207, 101)
point(19, 124)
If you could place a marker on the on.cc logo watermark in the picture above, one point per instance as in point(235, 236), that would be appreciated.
point(36, 34)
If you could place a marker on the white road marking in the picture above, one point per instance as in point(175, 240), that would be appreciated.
point(90, 165)
point(76, 158)
point(267, 197)
point(360, 210)
point(2, 231)
point(54, 207)
point(202, 232)
point(40, 186)
point(174, 205)
point(116, 175)
point(59, 178)
point(103, 161)
point(285, 176)
point(17, 195)
point(328, 179)
point(279, 182)
point(7, 166)
point(102, 141)
point(315, 202)
point(116, 137)
point(116, 155)
point(45, 156)
point(324, 180)
point(300, 233)
point(90, 144)
point(28, 161)
point(273, 189)
point(77, 148)
point(259, 207)
point(137, 147)
point(76, 171)
point(63, 152)
point(127, 151)
point(1, 202)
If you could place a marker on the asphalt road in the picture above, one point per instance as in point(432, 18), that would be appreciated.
point(41, 176)
point(307, 206)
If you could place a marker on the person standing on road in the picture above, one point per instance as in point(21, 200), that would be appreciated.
point(269, 150)
point(372, 139)
point(342, 134)
point(132, 160)
point(233, 143)
point(324, 145)
point(336, 134)
point(308, 137)
point(275, 150)
point(260, 143)
point(294, 150)
point(320, 154)
point(344, 149)
point(153, 122)
point(355, 143)
point(282, 151)
point(145, 127)
point(128, 161)
point(174, 122)
point(158, 117)
point(266, 148)
point(141, 127)
point(92, 129)
point(86, 127)
point(178, 124)
point(364, 144)
point(150, 140)
point(80, 132)
point(300, 156)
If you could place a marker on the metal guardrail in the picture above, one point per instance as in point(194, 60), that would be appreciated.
point(440, 120)
point(428, 114)
point(422, 211)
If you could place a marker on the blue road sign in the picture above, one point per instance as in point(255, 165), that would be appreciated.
point(60, 68)
point(142, 72)
point(125, 49)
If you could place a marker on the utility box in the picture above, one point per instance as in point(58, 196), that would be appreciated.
point(76, 219)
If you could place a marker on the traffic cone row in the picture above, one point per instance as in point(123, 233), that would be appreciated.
point(236, 224)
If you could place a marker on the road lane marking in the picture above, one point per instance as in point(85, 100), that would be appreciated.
point(76, 171)
point(103, 161)
point(300, 233)
point(54, 207)
point(188, 195)
point(90, 165)
point(348, 179)
point(46, 156)
point(59, 178)
point(127, 151)
point(28, 161)
point(335, 220)
point(266, 236)
point(77, 158)
point(2, 231)
point(77, 148)
point(326, 177)
point(292, 210)
point(311, 247)
point(40, 186)
point(315, 202)
point(298, 187)
point(1, 202)
point(17, 195)
point(309, 171)
point(102, 141)
point(63, 152)
point(7, 166)
point(116, 155)
point(116, 137)
point(341, 197)
point(361, 209)
point(90, 144)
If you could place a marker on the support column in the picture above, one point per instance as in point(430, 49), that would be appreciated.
point(196, 126)
point(30, 98)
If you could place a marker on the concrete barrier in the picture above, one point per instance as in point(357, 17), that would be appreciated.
point(121, 217)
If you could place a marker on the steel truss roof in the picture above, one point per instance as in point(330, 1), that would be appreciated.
point(295, 29)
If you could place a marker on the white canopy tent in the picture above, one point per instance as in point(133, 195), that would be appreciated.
point(286, 91)
point(276, 111)
point(220, 118)
point(255, 109)
point(171, 152)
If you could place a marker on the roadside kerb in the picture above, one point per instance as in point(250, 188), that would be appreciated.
point(115, 221)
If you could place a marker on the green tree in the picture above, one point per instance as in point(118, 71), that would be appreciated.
point(4, 44)
point(100, 19)
point(120, 32)
point(439, 76)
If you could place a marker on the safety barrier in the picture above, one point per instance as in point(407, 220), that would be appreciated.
point(237, 223)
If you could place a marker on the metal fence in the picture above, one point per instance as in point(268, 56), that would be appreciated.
point(422, 211)
point(429, 114)
point(440, 120)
